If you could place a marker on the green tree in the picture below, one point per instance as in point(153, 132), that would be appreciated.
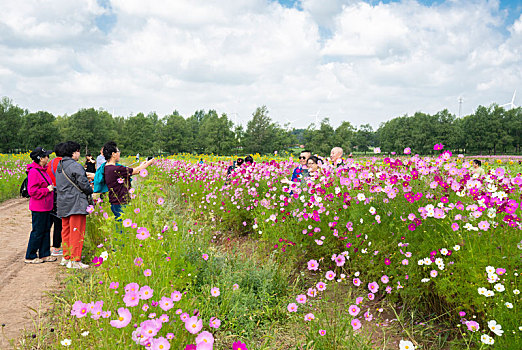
point(176, 134)
point(216, 134)
point(10, 124)
point(261, 133)
point(39, 129)
point(89, 127)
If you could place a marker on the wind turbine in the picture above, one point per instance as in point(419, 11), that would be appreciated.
point(316, 118)
point(512, 103)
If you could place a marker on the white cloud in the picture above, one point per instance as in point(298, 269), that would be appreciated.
point(379, 61)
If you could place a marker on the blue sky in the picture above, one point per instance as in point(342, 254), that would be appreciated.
point(362, 62)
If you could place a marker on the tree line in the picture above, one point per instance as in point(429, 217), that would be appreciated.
point(490, 130)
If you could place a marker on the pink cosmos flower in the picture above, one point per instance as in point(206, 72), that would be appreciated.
point(184, 317)
point(147, 272)
point(145, 292)
point(340, 260)
point(454, 226)
point(127, 223)
point(292, 307)
point(166, 304)
point(500, 271)
point(353, 310)
point(97, 261)
point(160, 344)
point(309, 317)
point(137, 211)
point(483, 225)
point(161, 201)
point(120, 180)
point(330, 275)
point(321, 286)
point(371, 296)
point(114, 285)
point(131, 299)
point(322, 332)
point(387, 261)
point(193, 325)
point(142, 233)
point(313, 265)
point(215, 292)
point(472, 326)
point(123, 319)
point(312, 292)
point(144, 173)
point(235, 286)
point(373, 287)
point(433, 273)
point(214, 322)
point(356, 282)
point(356, 324)
point(368, 316)
point(301, 299)
point(175, 296)
point(138, 261)
point(205, 257)
point(149, 328)
point(204, 337)
point(359, 300)
point(407, 150)
point(385, 279)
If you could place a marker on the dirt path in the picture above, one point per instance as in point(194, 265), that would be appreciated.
point(22, 286)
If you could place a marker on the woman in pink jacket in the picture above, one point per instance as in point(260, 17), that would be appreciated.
point(40, 188)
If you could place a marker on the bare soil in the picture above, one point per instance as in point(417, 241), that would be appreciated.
point(22, 286)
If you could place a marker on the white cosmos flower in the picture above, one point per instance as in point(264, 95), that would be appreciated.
point(492, 278)
point(104, 255)
point(495, 327)
point(420, 262)
point(482, 291)
point(361, 197)
point(489, 293)
point(66, 342)
point(456, 247)
point(486, 339)
point(444, 251)
point(509, 305)
point(499, 287)
point(516, 291)
point(406, 345)
point(86, 333)
point(439, 261)
point(427, 261)
point(424, 280)
point(490, 269)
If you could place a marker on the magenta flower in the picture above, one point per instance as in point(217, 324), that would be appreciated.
point(123, 319)
point(97, 261)
point(373, 287)
point(354, 310)
point(454, 226)
point(138, 261)
point(313, 265)
point(356, 324)
point(239, 346)
point(387, 261)
point(205, 257)
point(114, 285)
point(193, 325)
point(330, 275)
point(322, 332)
point(321, 286)
point(356, 282)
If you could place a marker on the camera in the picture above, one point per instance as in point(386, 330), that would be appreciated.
point(150, 157)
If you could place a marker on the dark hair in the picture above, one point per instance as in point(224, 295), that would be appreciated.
point(88, 154)
point(108, 149)
point(58, 149)
point(315, 159)
point(240, 161)
point(249, 159)
point(306, 151)
point(69, 148)
point(478, 162)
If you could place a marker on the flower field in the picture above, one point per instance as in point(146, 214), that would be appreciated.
point(401, 253)
point(12, 173)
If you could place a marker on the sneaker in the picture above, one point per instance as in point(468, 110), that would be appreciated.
point(77, 265)
point(64, 262)
point(56, 251)
point(33, 261)
point(49, 258)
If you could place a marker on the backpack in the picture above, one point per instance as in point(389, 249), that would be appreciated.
point(24, 192)
point(99, 180)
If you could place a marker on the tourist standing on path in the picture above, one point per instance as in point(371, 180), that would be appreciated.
point(117, 177)
point(73, 188)
point(40, 190)
point(56, 249)
point(100, 159)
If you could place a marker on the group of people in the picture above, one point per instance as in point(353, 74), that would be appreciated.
point(309, 165)
point(59, 192)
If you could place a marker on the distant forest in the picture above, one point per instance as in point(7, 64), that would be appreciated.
point(489, 130)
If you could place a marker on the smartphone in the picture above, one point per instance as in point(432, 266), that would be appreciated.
point(150, 157)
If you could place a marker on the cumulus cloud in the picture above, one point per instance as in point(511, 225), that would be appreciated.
point(342, 59)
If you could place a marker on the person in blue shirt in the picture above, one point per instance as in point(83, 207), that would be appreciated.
point(301, 170)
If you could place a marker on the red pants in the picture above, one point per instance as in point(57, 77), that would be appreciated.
point(73, 232)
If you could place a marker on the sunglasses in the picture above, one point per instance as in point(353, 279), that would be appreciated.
point(301, 157)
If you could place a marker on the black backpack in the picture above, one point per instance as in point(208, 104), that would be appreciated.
point(24, 192)
point(23, 189)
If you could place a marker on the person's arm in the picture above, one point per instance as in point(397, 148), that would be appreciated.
point(142, 166)
point(34, 185)
point(81, 178)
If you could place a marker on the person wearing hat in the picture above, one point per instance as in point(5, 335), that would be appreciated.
point(40, 188)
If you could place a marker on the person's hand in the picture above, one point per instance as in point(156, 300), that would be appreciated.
point(90, 176)
point(285, 181)
point(50, 188)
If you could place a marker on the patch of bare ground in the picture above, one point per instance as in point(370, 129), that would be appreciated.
point(23, 287)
